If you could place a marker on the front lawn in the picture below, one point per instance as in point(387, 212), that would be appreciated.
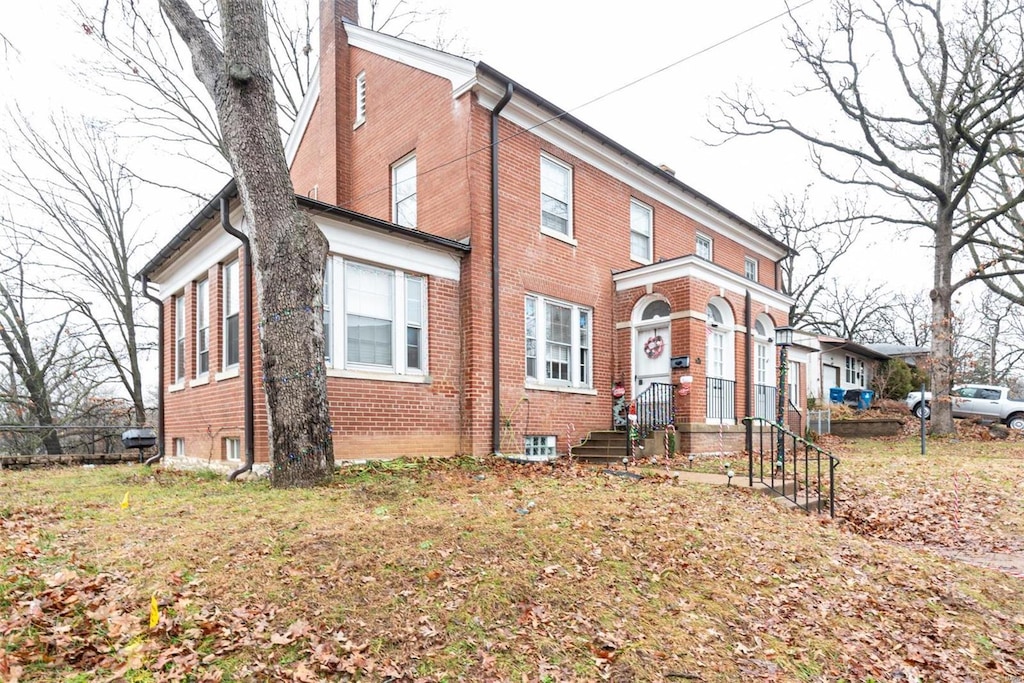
point(478, 570)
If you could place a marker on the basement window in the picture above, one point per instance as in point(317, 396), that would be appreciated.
point(539, 446)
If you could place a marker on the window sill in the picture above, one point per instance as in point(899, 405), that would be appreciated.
point(230, 373)
point(383, 376)
point(558, 236)
point(641, 261)
point(199, 381)
point(717, 421)
point(179, 386)
point(562, 389)
point(358, 123)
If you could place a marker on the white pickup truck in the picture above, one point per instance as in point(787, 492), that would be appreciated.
point(975, 400)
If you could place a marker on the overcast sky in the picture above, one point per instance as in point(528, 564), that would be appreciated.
point(570, 51)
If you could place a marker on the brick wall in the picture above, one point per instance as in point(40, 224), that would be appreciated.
point(413, 111)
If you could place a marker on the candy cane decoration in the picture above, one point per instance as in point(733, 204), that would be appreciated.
point(956, 499)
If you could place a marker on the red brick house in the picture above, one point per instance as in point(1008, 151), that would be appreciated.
point(470, 311)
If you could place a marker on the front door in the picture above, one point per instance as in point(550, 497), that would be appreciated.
point(653, 357)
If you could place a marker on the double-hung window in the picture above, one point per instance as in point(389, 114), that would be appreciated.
point(555, 197)
point(369, 314)
point(328, 299)
point(704, 248)
point(750, 268)
point(640, 223)
point(375, 319)
point(403, 192)
point(230, 314)
point(202, 328)
point(558, 343)
point(179, 337)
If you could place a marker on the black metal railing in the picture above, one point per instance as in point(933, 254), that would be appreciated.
point(72, 439)
point(653, 409)
point(791, 466)
point(721, 398)
point(764, 401)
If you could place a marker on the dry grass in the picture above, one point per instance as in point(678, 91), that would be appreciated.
point(479, 571)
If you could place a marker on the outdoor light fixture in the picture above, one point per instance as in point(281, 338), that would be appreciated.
point(784, 336)
point(783, 339)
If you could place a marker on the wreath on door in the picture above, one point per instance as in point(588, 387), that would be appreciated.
point(654, 346)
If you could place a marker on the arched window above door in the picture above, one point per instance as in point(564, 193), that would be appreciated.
point(656, 309)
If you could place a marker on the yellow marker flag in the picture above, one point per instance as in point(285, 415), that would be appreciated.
point(125, 503)
point(154, 612)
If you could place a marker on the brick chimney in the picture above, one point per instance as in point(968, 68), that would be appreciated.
point(336, 95)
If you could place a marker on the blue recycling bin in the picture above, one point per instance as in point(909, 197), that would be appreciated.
point(836, 394)
point(865, 399)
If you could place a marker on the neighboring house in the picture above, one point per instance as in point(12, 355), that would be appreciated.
point(840, 363)
point(914, 356)
point(607, 274)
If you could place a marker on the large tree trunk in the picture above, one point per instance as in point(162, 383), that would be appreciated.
point(942, 327)
point(288, 249)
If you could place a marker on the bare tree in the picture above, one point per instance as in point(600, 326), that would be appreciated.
point(910, 315)
point(991, 342)
point(48, 364)
point(289, 251)
point(924, 92)
point(78, 199)
point(148, 72)
point(852, 312)
point(817, 243)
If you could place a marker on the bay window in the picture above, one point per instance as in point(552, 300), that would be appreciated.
point(375, 318)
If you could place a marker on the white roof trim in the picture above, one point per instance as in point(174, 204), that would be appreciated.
point(458, 70)
point(528, 115)
point(291, 144)
point(699, 269)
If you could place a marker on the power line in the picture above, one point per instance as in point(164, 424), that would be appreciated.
point(609, 93)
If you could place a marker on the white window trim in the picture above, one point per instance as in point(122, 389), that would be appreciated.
point(576, 384)
point(179, 446)
point(649, 258)
point(232, 444)
point(205, 302)
point(748, 261)
point(360, 100)
point(567, 236)
point(226, 313)
point(180, 335)
point(338, 365)
point(408, 158)
point(711, 247)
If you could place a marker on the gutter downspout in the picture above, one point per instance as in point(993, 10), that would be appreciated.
point(160, 372)
point(250, 428)
point(495, 278)
point(748, 345)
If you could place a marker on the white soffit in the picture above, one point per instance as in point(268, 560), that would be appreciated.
point(528, 115)
point(699, 269)
point(195, 261)
point(458, 70)
point(388, 250)
point(291, 144)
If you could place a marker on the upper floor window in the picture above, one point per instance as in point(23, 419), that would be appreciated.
point(202, 328)
point(360, 99)
point(381, 314)
point(704, 247)
point(558, 343)
point(555, 196)
point(179, 337)
point(640, 224)
point(403, 182)
point(750, 268)
point(230, 314)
